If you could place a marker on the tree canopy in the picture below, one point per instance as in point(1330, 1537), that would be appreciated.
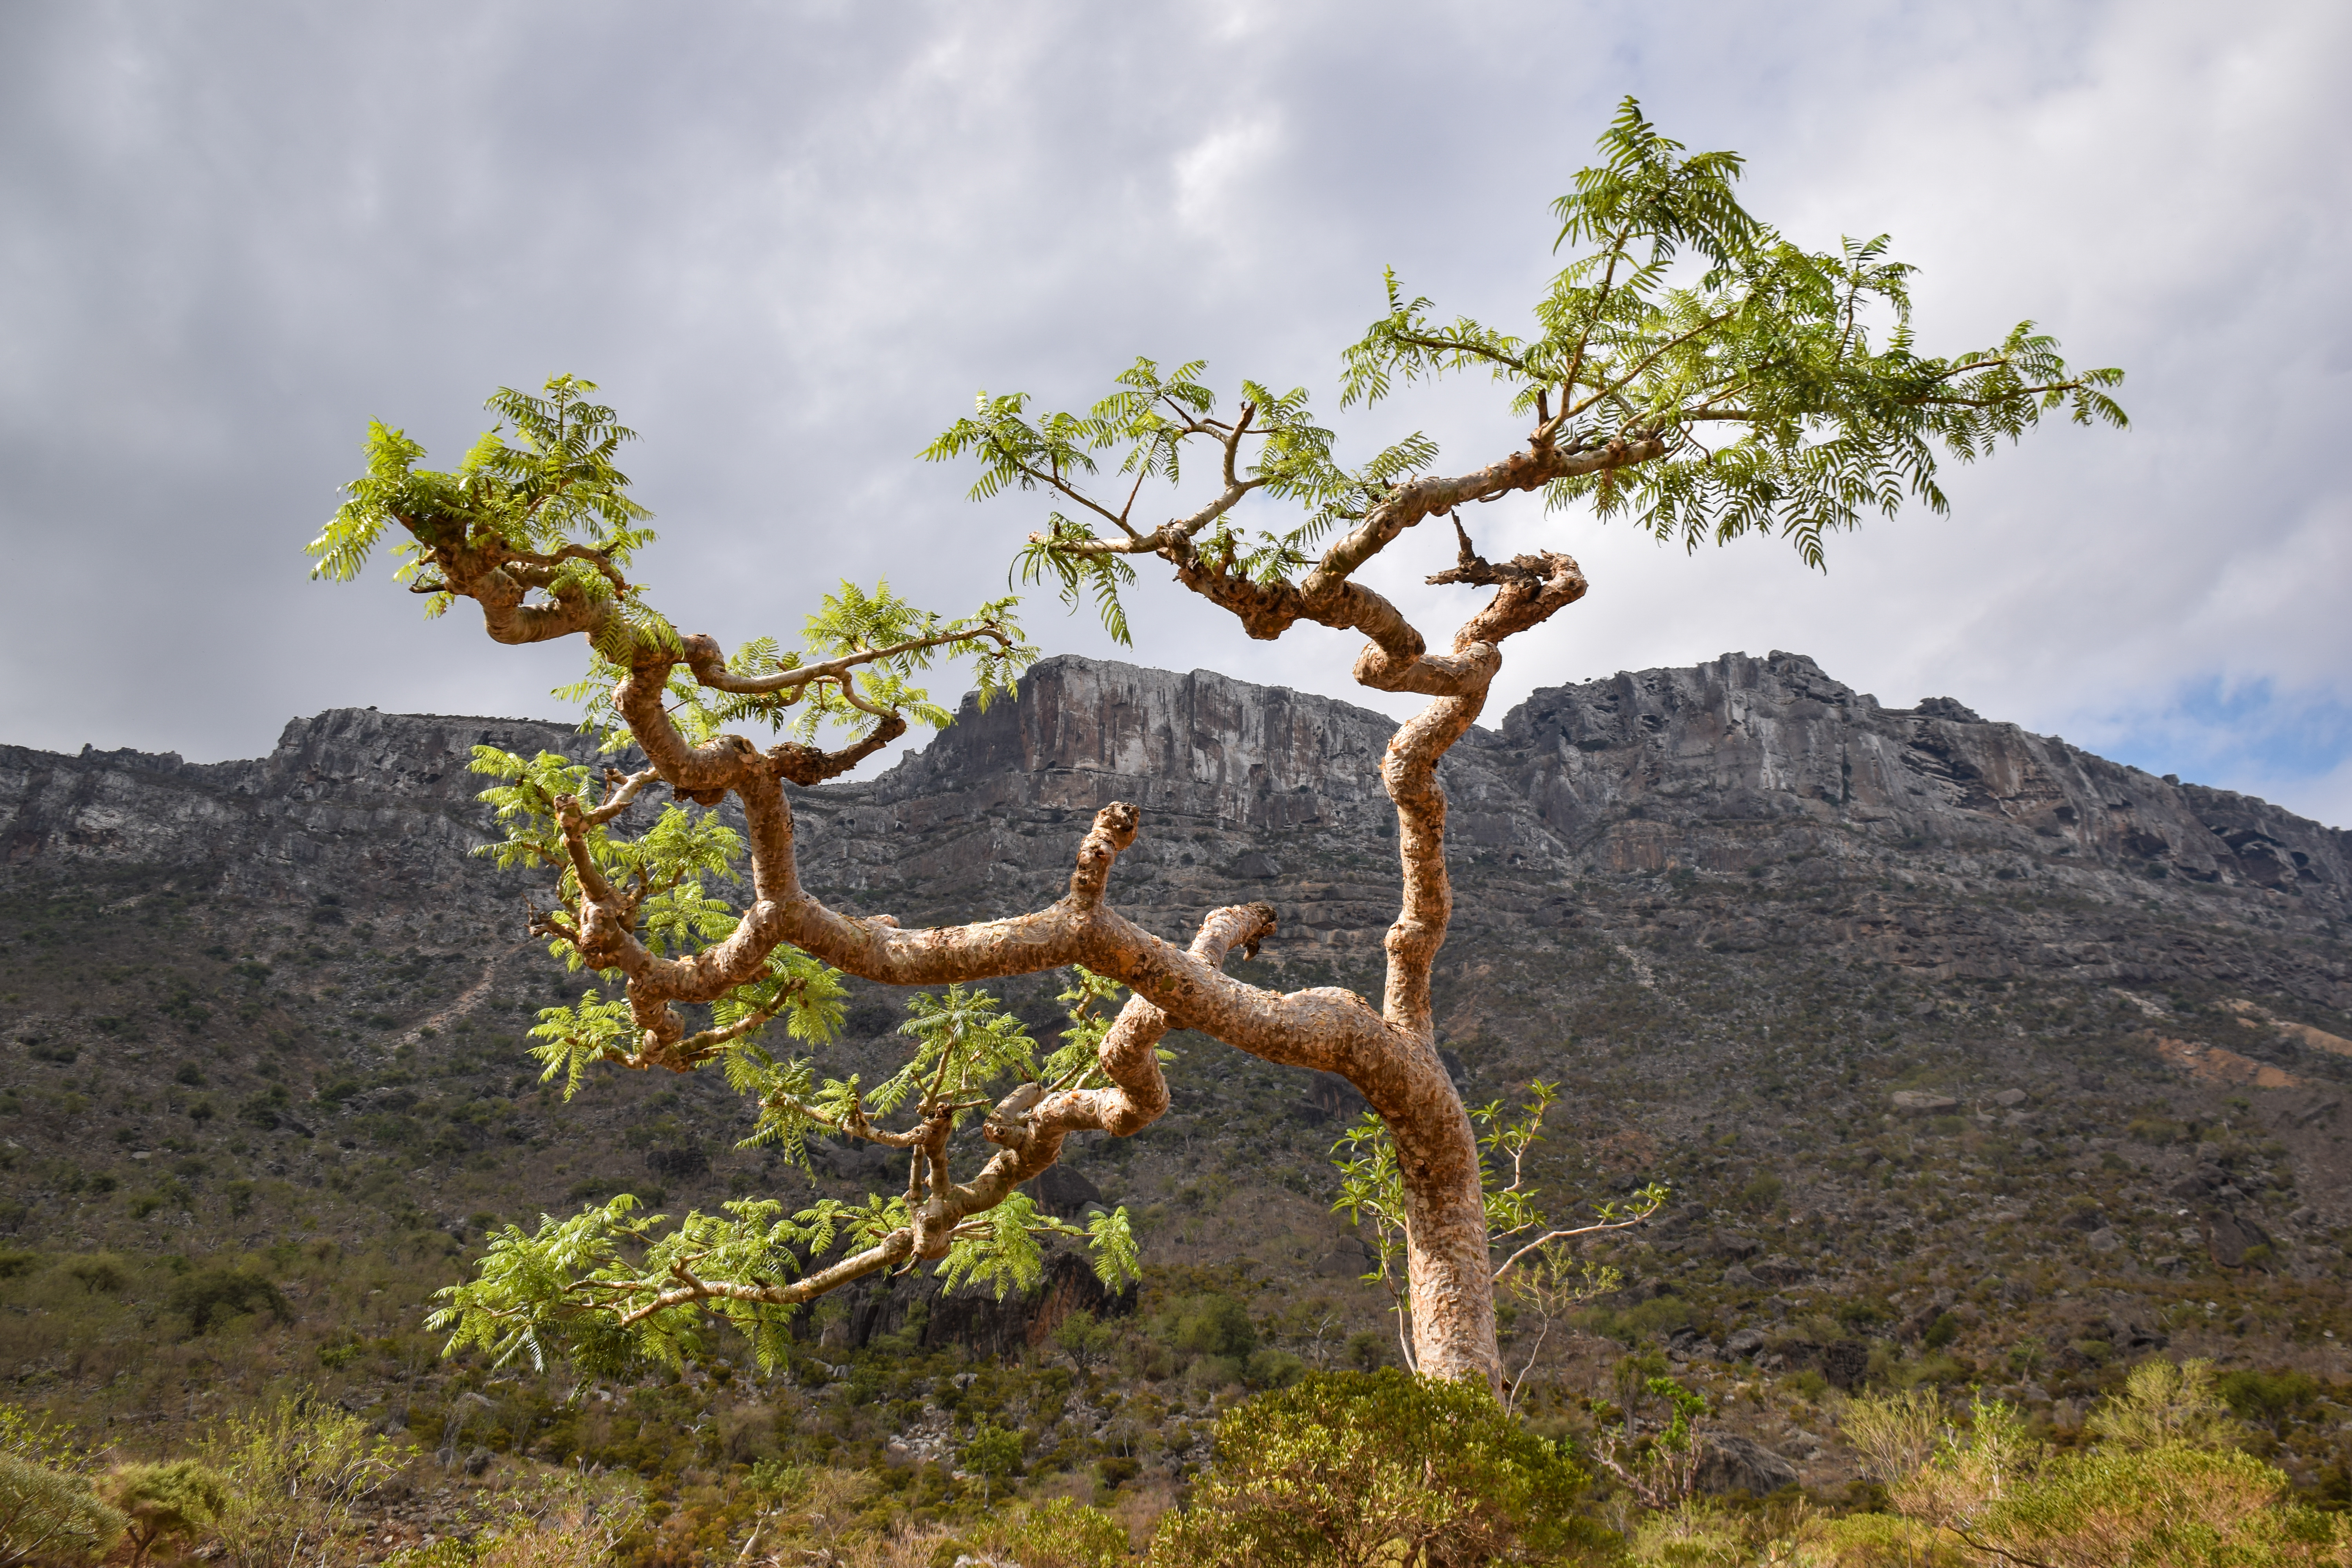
point(1688, 369)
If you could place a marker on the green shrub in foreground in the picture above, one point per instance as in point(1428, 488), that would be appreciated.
point(46, 1516)
point(1361, 1468)
point(160, 1502)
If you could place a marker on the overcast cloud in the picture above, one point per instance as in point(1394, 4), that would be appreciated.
point(791, 241)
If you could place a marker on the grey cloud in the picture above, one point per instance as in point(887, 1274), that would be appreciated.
point(791, 241)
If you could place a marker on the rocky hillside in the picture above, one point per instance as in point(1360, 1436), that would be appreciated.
point(1955, 1041)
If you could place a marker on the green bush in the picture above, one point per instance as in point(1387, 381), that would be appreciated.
point(46, 1516)
point(293, 1471)
point(161, 1501)
point(1212, 1324)
point(210, 1296)
point(2266, 1396)
point(2162, 1505)
point(1374, 1466)
point(1271, 1368)
point(101, 1273)
point(265, 1110)
point(993, 1455)
point(1059, 1533)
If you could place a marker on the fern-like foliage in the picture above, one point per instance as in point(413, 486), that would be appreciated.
point(591, 1286)
point(1784, 385)
point(540, 480)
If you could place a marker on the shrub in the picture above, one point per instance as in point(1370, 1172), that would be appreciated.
point(265, 1109)
point(159, 1501)
point(2266, 1396)
point(2167, 1504)
point(1894, 1434)
point(1212, 1324)
point(293, 1471)
point(1059, 1533)
point(1358, 1467)
point(1694, 1535)
point(210, 1296)
point(993, 1453)
point(2164, 1404)
point(49, 1517)
point(1086, 1342)
point(1877, 1541)
point(1271, 1368)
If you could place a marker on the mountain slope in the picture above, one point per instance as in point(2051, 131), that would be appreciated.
point(1924, 1016)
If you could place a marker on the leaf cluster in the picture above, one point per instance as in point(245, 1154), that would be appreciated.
point(1371, 1191)
point(1680, 314)
point(540, 485)
point(1272, 444)
point(882, 640)
point(1783, 386)
point(48, 1516)
point(540, 497)
point(594, 1287)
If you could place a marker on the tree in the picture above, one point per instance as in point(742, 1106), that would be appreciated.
point(1086, 1342)
point(993, 1453)
point(1688, 369)
point(2166, 1402)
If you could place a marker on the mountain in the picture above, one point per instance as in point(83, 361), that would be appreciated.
point(1942, 1031)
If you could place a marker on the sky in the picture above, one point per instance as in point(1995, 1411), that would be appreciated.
point(793, 241)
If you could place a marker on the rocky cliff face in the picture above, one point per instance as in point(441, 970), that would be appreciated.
point(349, 801)
point(1728, 765)
point(1763, 776)
point(1734, 768)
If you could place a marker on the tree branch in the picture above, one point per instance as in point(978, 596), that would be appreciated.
point(700, 654)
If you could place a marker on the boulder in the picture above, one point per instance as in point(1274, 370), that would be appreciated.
point(2009, 1098)
point(1844, 1363)
point(2104, 1240)
point(1744, 1343)
point(1778, 1270)
point(1347, 1260)
point(2230, 1237)
point(1059, 1190)
point(855, 1161)
point(1917, 1102)
point(1732, 1464)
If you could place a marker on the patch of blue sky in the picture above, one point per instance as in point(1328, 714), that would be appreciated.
point(2290, 745)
